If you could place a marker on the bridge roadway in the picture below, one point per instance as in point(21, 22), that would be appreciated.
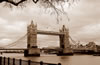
point(49, 32)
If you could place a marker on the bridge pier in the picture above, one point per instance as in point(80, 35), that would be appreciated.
point(32, 49)
point(64, 43)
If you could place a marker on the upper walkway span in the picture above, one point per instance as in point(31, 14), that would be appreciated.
point(49, 32)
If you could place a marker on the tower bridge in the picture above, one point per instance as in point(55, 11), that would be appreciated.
point(32, 48)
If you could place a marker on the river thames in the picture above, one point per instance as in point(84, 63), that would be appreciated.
point(64, 60)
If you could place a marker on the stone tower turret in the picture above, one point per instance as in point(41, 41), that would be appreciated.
point(64, 42)
point(32, 50)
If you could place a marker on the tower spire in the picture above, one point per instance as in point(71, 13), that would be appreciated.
point(32, 22)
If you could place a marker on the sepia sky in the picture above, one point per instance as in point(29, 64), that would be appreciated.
point(84, 24)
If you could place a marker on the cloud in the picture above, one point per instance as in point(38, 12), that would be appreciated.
point(5, 41)
point(16, 26)
point(91, 29)
point(11, 31)
point(84, 21)
point(3, 21)
point(89, 32)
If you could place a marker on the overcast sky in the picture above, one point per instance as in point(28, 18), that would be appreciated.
point(84, 23)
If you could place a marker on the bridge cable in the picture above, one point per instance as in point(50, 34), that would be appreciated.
point(15, 43)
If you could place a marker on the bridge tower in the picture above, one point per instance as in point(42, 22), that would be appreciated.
point(64, 42)
point(32, 48)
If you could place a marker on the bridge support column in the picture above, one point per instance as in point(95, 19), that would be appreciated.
point(64, 43)
point(32, 50)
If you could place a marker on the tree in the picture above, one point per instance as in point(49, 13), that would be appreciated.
point(53, 4)
point(49, 2)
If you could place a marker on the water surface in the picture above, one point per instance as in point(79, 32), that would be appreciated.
point(65, 60)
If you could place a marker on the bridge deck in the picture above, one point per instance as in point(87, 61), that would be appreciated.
point(49, 32)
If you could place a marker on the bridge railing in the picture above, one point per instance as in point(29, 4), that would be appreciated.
point(13, 61)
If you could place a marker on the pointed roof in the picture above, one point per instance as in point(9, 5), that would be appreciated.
point(32, 22)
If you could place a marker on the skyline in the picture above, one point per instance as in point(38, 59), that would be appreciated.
point(84, 25)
